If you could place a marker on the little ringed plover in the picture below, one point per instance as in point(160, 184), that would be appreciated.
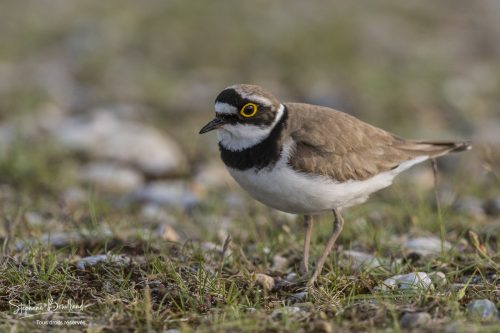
point(308, 159)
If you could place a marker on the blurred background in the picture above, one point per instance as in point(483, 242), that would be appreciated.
point(112, 94)
point(101, 103)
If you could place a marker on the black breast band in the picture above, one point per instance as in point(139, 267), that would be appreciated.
point(266, 153)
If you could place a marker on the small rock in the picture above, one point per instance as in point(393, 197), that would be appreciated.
point(172, 194)
point(33, 218)
point(74, 196)
point(7, 136)
point(482, 309)
point(414, 319)
point(359, 260)
point(157, 214)
point(425, 246)
point(93, 260)
point(103, 135)
point(168, 233)
point(469, 205)
point(209, 246)
point(417, 280)
point(111, 177)
point(214, 175)
point(54, 239)
point(287, 311)
point(172, 330)
point(265, 281)
point(438, 279)
point(492, 207)
point(279, 263)
point(298, 297)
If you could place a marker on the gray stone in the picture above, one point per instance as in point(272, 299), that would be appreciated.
point(213, 176)
point(105, 136)
point(157, 214)
point(7, 136)
point(167, 193)
point(416, 280)
point(279, 263)
point(287, 311)
point(74, 196)
point(298, 297)
point(492, 207)
point(438, 279)
point(414, 319)
point(482, 309)
point(55, 239)
point(212, 247)
point(469, 205)
point(425, 246)
point(94, 260)
point(112, 177)
point(360, 260)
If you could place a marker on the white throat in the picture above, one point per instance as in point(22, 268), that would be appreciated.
point(242, 136)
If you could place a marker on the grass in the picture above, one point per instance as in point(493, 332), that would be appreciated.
point(182, 285)
point(408, 68)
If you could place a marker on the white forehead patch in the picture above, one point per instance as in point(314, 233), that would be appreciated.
point(225, 108)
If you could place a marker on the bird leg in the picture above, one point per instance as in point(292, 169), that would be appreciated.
point(338, 223)
point(308, 224)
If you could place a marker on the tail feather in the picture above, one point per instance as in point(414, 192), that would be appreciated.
point(434, 148)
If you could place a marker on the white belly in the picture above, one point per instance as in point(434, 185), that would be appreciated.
point(294, 192)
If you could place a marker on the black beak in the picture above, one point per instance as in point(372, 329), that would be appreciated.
point(214, 124)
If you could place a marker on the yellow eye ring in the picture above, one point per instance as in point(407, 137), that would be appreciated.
point(248, 110)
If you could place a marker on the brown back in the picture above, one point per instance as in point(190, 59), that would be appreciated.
point(337, 145)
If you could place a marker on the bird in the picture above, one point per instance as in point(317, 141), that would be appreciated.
point(307, 159)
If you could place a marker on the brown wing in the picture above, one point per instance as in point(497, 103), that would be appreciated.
point(337, 145)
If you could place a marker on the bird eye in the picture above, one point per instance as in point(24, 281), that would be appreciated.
point(248, 110)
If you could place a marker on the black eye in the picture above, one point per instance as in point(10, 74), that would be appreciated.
point(248, 110)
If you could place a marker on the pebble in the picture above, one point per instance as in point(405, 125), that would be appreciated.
point(112, 177)
point(359, 260)
point(414, 319)
point(438, 279)
point(7, 136)
point(93, 260)
point(292, 277)
point(172, 330)
point(104, 135)
point(469, 205)
point(298, 297)
point(214, 176)
point(482, 309)
point(33, 218)
point(157, 214)
point(279, 263)
point(492, 207)
point(287, 311)
point(265, 281)
point(167, 193)
point(74, 196)
point(425, 246)
point(55, 239)
point(416, 280)
point(168, 233)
